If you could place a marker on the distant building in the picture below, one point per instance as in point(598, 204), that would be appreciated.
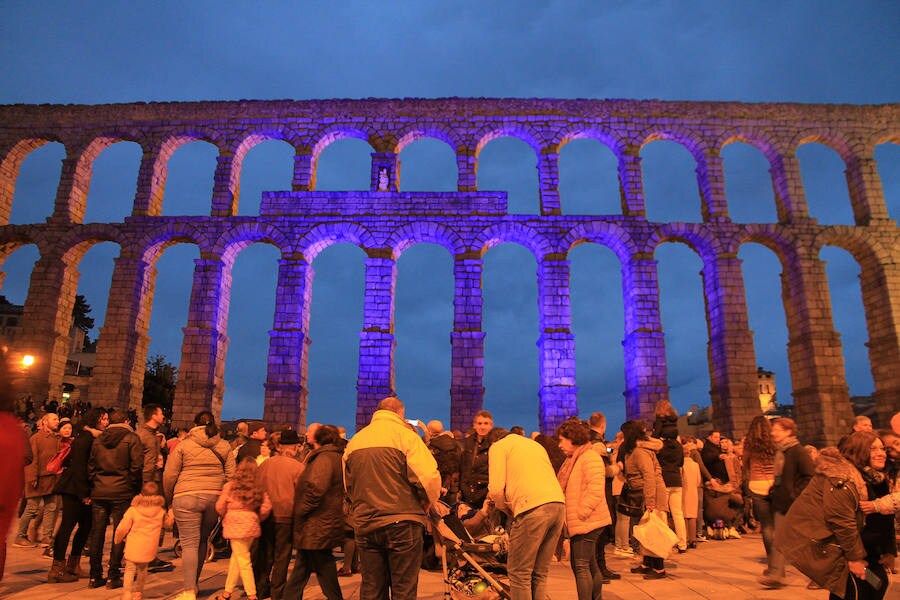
point(79, 363)
point(766, 383)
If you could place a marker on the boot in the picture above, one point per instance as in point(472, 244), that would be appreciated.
point(58, 573)
point(73, 566)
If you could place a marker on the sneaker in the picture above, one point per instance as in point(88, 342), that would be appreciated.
point(701, 538)
point(655, 574)
point(47, 553)
point(114, 582)
point(96, 582)
point(624, 552)
point(160, 566)
point(641, 569)
point(45, 543)
point(23, 542)
point(733, 534)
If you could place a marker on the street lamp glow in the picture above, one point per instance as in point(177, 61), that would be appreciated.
point(27, 360)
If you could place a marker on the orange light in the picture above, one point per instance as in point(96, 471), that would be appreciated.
point(27, 360)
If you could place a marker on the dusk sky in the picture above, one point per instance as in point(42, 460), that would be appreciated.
point(103, 52)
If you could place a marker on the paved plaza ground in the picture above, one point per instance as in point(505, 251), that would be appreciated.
point(724, 570)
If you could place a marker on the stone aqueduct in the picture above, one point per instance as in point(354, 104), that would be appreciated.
point(386, 221)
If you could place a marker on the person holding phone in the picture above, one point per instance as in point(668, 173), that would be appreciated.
point(825, 534)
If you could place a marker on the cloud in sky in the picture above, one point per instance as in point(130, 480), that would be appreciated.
point(97, 52)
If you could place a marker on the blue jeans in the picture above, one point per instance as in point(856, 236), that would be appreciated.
point(588, 577)
point(532, 539)
point(196, 517)
point(390, 559)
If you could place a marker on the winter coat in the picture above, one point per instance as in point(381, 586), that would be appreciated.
point(150, 443)
point(671, 459)
point(690, 484)
point(447, 453)
point(711, 455)
point(644, 475)
point(239, 522)
point(12, 448)
point(142, 524)
point(319, 522)
point(821, 531)
point(586, 508)
point(44, 445)
point(389, 474)
point(74, 480)
point(796, 473)
point(117, 459)
point(473, 470)
point(278, 476)
point(198, 465)
point(665, 428)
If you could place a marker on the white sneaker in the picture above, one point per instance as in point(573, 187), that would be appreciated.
point(733, 534)
point(186, 595)
point(624, 552)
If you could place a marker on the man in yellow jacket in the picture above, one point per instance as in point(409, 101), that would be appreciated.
point(522, 483)
point(392, 479)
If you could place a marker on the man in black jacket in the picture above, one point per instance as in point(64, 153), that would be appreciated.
point(473, 468)
point(114, 470)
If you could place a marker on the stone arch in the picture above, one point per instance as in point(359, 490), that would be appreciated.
point(517, 233)
point(520, 131)
point(411, 234)
point(607, 137)
point(152, 245)
point(230, 244)
point(73, 246)
point(691, 140)
point(326, 137)
point(240, 146)
point(14, 238)
point(418, 131)
point(10, 162)
point(697, 238)
point(835, 140)
point(323, 236)
point(769, 236)
point(607, 234)
point(758, 138)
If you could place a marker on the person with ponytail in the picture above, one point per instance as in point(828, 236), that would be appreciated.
point(193, 478)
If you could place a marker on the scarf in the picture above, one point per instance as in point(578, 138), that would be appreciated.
point(565, 471)
point(779, 455)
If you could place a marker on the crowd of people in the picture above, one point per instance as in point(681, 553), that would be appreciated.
point(279, 497)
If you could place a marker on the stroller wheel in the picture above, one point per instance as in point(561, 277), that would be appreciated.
point(210, 553)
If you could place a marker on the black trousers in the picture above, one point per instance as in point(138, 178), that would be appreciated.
point(101, 512)
point(74, 513)
point(320, 562)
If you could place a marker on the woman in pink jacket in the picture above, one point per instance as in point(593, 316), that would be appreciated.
point(582, 478)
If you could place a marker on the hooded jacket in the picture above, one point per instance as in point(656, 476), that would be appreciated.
point(585, 491)
point(319, 502)
point(74, 480)
point(142, 524)
point(117, 459)
point(821, 531)
point(643, 473)
point(199, 465)
point(389, 473)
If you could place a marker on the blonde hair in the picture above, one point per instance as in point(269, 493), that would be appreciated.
point(664, 409)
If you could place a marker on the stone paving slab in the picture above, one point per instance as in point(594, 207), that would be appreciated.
point(724, 570)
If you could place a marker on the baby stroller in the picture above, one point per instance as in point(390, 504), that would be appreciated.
point(216, 547)
point(473, 569)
